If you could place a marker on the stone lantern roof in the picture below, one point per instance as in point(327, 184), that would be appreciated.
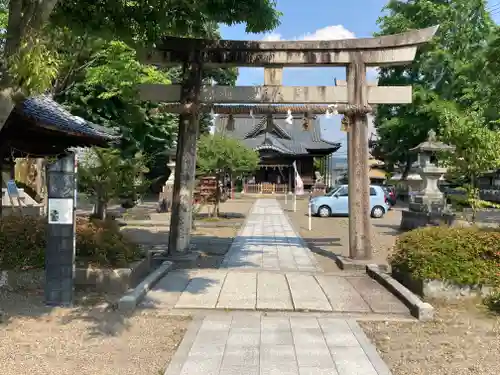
point(432, 144)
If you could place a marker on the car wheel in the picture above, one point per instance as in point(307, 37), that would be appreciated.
point(378, 212)
point(324, 211)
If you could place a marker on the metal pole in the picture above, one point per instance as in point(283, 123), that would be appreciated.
point(295, 201)
point(309, 213)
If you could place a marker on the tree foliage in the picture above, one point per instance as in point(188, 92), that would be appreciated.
point(218, 154)
point(136, 23)
point(104, 175)
point(446, 69)
point(142, 21)
point(106, 93)
point(477, 149)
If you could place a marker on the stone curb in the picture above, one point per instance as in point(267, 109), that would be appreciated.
point(130, 300)
point(182, 352)
point(347, 264)
point(370, 350)
point(421, 310)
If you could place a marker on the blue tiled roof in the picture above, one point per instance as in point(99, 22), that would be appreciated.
point(49, 113)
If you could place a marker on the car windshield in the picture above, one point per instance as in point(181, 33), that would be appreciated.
point(332, 190)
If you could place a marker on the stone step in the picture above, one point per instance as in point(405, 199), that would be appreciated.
point(267, 291)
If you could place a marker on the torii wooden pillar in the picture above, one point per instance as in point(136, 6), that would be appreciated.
point(354, 101)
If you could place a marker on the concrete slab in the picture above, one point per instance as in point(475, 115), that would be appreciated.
point(306, 293)
point(239, 291)
point(273, 292)
point(202, 291)
point(377, 297)
point(342, 295)
point(167, 291)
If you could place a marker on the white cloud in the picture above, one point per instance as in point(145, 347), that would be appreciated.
point(333, 32)
point(326, 33)
point(273, 37)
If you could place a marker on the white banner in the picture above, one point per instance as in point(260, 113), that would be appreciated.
point(299, 184)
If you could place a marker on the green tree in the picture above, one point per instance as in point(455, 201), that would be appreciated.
point(219, 155)
point(106, 93)
point(135, 22)
point(447, 68)
point(104, 175)
point(477, 148)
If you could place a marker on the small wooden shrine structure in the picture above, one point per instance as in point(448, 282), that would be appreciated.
point(39, 127)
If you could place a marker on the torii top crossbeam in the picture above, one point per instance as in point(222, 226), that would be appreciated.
point(380, 51)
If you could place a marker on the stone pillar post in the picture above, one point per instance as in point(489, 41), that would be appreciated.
point(185, 168)
point(61, 246)
point(359, 184)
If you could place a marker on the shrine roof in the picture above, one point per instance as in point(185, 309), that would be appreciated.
point(282, 137)
point(40, 126)
point(46, 112)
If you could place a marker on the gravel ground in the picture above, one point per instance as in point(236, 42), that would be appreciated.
point(92, 338)
point(463, 340)
point(87, 339)
point(332, 234)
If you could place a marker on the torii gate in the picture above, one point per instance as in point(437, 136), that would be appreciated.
point(354, 100)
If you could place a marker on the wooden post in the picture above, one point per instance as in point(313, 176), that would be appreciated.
point(359, 190)
point(185, 167)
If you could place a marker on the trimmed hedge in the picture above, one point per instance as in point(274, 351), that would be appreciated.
point(466, 256)
point(99, 243)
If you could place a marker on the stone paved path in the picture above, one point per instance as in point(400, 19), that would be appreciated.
point(268, 241)
point(226, 345)
point(271, 310)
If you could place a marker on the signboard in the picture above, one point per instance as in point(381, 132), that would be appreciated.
point(60, 211)
point(12, 189)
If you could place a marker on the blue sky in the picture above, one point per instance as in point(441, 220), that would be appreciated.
point(318, 19)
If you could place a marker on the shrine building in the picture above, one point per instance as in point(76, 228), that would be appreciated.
point(279, 144)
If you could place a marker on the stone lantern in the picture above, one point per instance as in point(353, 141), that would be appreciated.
point(165, 199)
point(427, 205)
point(430, 198)
point(171, 167)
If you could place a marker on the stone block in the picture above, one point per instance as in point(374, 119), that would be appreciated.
point(117, 280)
point(441, 289)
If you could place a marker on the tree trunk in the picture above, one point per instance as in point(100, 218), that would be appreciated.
point(406, 169)
point(474, 197)
point(100, 209)
point(217, 196)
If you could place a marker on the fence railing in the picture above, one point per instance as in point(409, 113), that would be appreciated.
point(265, 188)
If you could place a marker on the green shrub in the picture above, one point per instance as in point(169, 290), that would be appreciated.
point(99, 243)
point(493, 302)
point(22, 242)
point(464, 256)
point(461, 255)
